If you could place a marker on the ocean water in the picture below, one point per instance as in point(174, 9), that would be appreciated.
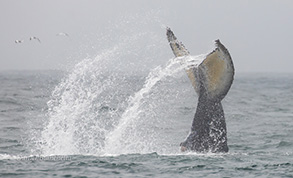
point(116, 115)
point(114, 132)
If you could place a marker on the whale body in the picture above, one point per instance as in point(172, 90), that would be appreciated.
point(211, 79)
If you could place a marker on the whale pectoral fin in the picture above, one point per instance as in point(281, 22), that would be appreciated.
point(218, 72)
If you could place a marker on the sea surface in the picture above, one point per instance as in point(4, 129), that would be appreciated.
point(73, 140)
point(97, 121)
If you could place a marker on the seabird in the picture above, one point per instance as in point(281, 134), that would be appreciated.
point(19, 41)
point(62, 34)
point(35, 38)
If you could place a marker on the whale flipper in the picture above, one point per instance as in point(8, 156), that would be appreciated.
point(211, 80)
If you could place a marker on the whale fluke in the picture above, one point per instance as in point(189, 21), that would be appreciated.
point(218, 72)
point(211, 80)
point(177, 47)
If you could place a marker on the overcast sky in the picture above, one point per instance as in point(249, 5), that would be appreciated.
point(258, 33)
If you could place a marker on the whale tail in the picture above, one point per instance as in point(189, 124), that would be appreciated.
point(215, 73)
point(211, 79)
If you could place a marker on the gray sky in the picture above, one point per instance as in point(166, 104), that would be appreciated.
point(258, 33)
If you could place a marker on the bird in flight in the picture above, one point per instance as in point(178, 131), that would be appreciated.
point(35, 38)
point(19, 41)
point(62, 34)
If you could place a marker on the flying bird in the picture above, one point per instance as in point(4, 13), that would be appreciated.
point(19, 41)
point(35, 38)
point(62, 34)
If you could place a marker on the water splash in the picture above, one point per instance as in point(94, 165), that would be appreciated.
point(138, 131)
point(89, 101)
point(106, 105)
point(135, 132)
point(96, 111)
point(73, 126)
